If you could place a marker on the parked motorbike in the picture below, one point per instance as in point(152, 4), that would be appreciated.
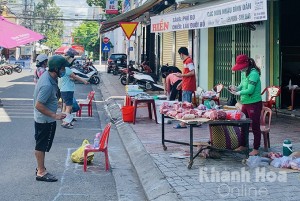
point(123, 75)
point(117, 66)
point(146, 82)
point(6, 69)
point(92, 76)
point(17, 68)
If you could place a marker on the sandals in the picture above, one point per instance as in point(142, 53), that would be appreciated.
point(36, 170)
point(47, 178)
point(178, 126)
point(69, 126)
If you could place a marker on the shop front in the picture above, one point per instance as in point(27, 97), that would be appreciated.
point(287, 50)
point(217, 32)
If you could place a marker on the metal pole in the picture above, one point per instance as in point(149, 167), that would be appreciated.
point(100, 49)
point(128, 57)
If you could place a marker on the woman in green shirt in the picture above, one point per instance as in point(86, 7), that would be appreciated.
point(250, 92)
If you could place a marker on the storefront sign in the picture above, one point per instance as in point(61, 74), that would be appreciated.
point(234, 12)
point(111, 7)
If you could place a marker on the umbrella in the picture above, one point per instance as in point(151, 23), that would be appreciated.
point(13, 35)
point(79, 49)
point(62, 50)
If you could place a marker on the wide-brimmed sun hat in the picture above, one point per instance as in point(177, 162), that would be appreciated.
point(242, 61)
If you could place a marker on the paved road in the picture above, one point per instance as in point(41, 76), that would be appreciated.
point(17, 181)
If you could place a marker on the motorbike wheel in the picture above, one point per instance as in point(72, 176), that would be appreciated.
point(9, 71)
point(123, 80)
point(115, 72)
point(18, 69)
point(95, 80)
point(148, 86)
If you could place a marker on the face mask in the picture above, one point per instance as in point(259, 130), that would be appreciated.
point(62, 73)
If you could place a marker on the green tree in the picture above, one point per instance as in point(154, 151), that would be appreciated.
point(87, 35)
point(48, 24)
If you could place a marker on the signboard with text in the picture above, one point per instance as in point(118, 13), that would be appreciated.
point(111, 7)
point(234, 12)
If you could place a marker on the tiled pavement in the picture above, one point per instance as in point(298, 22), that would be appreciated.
point(267, 183)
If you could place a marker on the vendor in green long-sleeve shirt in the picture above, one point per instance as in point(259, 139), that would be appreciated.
point(250, 92)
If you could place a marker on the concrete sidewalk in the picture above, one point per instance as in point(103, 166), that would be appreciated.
point(167, 178)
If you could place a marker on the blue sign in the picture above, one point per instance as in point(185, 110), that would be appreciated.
point(105, 47)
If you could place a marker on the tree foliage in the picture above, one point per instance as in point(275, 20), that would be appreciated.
point(48, 24)
point(87, 35)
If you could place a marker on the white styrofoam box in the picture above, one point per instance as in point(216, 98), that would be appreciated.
point(132, 88)
point(158, 103)
point(134, 93)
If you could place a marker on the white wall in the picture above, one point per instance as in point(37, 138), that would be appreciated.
point(203, 59)
point(258, 52)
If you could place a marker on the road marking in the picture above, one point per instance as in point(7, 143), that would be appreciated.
point(13, 99)
point(5, 117)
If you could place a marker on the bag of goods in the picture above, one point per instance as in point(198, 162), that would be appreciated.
point(188, 116)
point(295, 164)
point(235, 115)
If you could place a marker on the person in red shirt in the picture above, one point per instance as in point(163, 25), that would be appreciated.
point(188, 83)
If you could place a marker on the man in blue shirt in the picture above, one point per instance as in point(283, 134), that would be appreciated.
point(45, 116)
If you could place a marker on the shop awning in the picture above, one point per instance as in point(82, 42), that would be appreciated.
point(211, 14)
point(129, 16)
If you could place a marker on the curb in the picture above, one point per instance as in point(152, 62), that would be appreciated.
point(154, 183)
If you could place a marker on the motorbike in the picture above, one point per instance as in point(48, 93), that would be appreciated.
point(123, 75)
point(117, 66)
point(92, 76)
point(146, 82)
point(6, 69)
point(17, 68)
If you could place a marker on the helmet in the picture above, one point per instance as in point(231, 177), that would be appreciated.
point(56, 62)
point(70, 60)
point(42, 57)
point(71, 53)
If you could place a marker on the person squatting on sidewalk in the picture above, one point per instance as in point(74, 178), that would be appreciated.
point(250, 92)
point(172, 81)
point(45, 116)
point(188, 83)
point(41, 65)
point(67, 88)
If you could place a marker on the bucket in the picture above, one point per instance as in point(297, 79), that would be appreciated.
point(287, 148)
point(127, 113)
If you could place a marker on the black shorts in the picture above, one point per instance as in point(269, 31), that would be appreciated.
point(44, 135)
point(67, 96)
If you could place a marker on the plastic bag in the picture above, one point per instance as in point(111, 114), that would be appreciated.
point(231, 101)
point(77, 156)
point(283, 162)
point(257, 161)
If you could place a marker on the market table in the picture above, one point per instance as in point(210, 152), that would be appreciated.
point(245, 124)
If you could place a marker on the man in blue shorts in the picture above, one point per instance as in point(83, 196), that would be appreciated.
point(45, 116)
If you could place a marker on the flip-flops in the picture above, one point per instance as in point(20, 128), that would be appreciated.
point(36, 170)
point(69, 126)
point(178, 126)
point(47, 178)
